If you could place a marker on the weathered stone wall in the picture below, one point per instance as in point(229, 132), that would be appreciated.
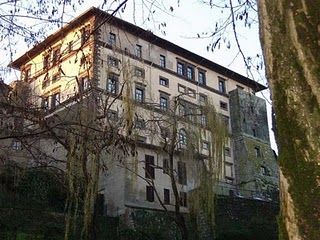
point(256, 168)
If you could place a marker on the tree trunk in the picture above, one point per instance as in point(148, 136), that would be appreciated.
point(290, 38)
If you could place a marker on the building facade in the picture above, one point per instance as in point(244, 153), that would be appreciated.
point(139, 74)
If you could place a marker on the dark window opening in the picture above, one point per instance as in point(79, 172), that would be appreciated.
point(166, 196)
point(138, 51)
point(139, 94)
point(223, 105)
point(149, 166)
point(162, 61)
point(150, 193)
point(222, 85)
point(183, 199)
point(180, 68)
point(164, 82)
point(182, 173)
point(164, 102)
point(55, 100)
point(202, 78)
point(112, 39)
point(112, 84)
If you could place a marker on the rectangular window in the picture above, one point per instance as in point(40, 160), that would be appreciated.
point(182, 173)
point(191, 93)
point(166, 196)
point(203, 120)
point(112, 39)
point(45, 103)
point(139, 94)
point(16, 145)
point(112, 61)
point(227, 152)
point(55, 56)
point(139, 72)
point(180, 68)
point(84, 81)
point(164, 102)
point(223, 105)
point(162, 61)
point(149, 194)
point(190, 73)
point(257, 152)
point(55, 100)
point(202, 78)
point(138, 51)
point(203, 99)
point(112, 84)
point(164, 82)
point(222, 85)
point(46, 61)
point(165, 165)
point(149, 166)
point(182, 89)
point(183, 199)
point(228, 171)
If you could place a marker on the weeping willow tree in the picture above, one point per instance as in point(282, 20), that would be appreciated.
point(181, 128)
point(94, 135)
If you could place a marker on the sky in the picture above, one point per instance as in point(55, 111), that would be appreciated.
point(181, 22)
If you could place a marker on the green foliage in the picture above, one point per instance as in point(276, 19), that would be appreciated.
point(30, 200)
point(152, 225)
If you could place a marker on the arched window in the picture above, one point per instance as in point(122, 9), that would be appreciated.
point(182, 137)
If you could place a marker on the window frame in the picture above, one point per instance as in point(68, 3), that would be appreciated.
point(138, 51)
point(180, 68)
point(224, 105)
point(222, 85)
point(112, 39)
point(163, 81)
point(112, 61)
point(162, 61)
point(149, 193)
point(55, 99)
point(182, 137)
point(165, 97)
point(141, 97)
point(112, 77)
point(190, 72)
point(149, 167)
point(166, 196)
point(202, 81)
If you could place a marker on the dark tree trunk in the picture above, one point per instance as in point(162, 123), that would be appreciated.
point(290, 37)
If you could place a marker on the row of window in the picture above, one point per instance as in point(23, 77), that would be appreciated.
point(50, 102)
point(150, 169)
point(184, 69)
point(166, 196)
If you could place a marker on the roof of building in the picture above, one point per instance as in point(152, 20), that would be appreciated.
point(143, 34)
